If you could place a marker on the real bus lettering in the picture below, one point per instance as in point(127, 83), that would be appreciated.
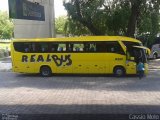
point(33, 58)
point(67, 57)
point(24, 58)
point(59, 61)
point(40, 58)
point(56, 59)
point(48, 58)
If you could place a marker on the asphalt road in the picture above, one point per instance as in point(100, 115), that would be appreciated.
point(75, 94)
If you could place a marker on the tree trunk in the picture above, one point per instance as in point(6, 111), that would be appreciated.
point(91, 27)
point(135, 10)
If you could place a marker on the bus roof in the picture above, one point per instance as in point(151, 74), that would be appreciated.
point(82, 38)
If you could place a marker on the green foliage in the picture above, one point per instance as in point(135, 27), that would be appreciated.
point(6, 26)
point(118, 20)
point(67, 26)
point(87, 14)
point(60, 24)
point(148, 26)
point(114, 17)
point(75, 28)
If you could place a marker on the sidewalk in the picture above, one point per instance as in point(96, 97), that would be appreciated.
point(5, 64)
point(154, 64)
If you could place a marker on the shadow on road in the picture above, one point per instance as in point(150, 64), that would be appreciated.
point(80, 109)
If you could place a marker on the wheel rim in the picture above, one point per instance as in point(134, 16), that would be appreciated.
point(119, 72)
point(45, 72)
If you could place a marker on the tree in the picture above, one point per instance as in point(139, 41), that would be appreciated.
point(66, 26)
point(60, 24)
point(75, 28)
point(115, 17)
point(148, 26)
point(6, 26)
point(86, 14)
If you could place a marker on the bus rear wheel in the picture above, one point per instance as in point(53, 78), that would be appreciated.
point(119, 71)
point(45, 71)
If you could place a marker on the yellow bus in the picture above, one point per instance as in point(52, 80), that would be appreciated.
point(78, 55)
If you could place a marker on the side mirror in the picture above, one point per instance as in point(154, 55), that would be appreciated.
point(132, 58)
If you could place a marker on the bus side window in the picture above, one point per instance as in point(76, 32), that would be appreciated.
point(54, 47)
point(61, 47)
point(78, 47)
point(86, 47)
point(92, 47)
point(33, 47)
point(26, 47)
point(44, 47)
point(70, 47)
point(114, 47)
point(101, 47)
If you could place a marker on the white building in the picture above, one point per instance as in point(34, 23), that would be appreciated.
point(37, 29)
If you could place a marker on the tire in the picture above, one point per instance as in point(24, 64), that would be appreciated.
point(45, 71)
point(155, 56)
point(119, 71)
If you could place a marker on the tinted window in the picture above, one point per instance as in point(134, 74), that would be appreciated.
point(130, 45)
point(44, 47)
point(39, 47)
point(109, 47)
point(90, 47)
point(53, 47)
point(24, 47)
point(78, 47)
point(61, 47)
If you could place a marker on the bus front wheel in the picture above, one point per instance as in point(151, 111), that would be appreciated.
point(45, 71)
point(119, 71)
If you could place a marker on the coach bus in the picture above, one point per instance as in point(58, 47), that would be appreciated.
point(78, 55)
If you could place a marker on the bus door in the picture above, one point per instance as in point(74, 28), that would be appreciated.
point(131, 65)
point(142, 56)
point(135, 55)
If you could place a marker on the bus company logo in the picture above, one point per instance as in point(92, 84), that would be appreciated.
point(59, 61)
